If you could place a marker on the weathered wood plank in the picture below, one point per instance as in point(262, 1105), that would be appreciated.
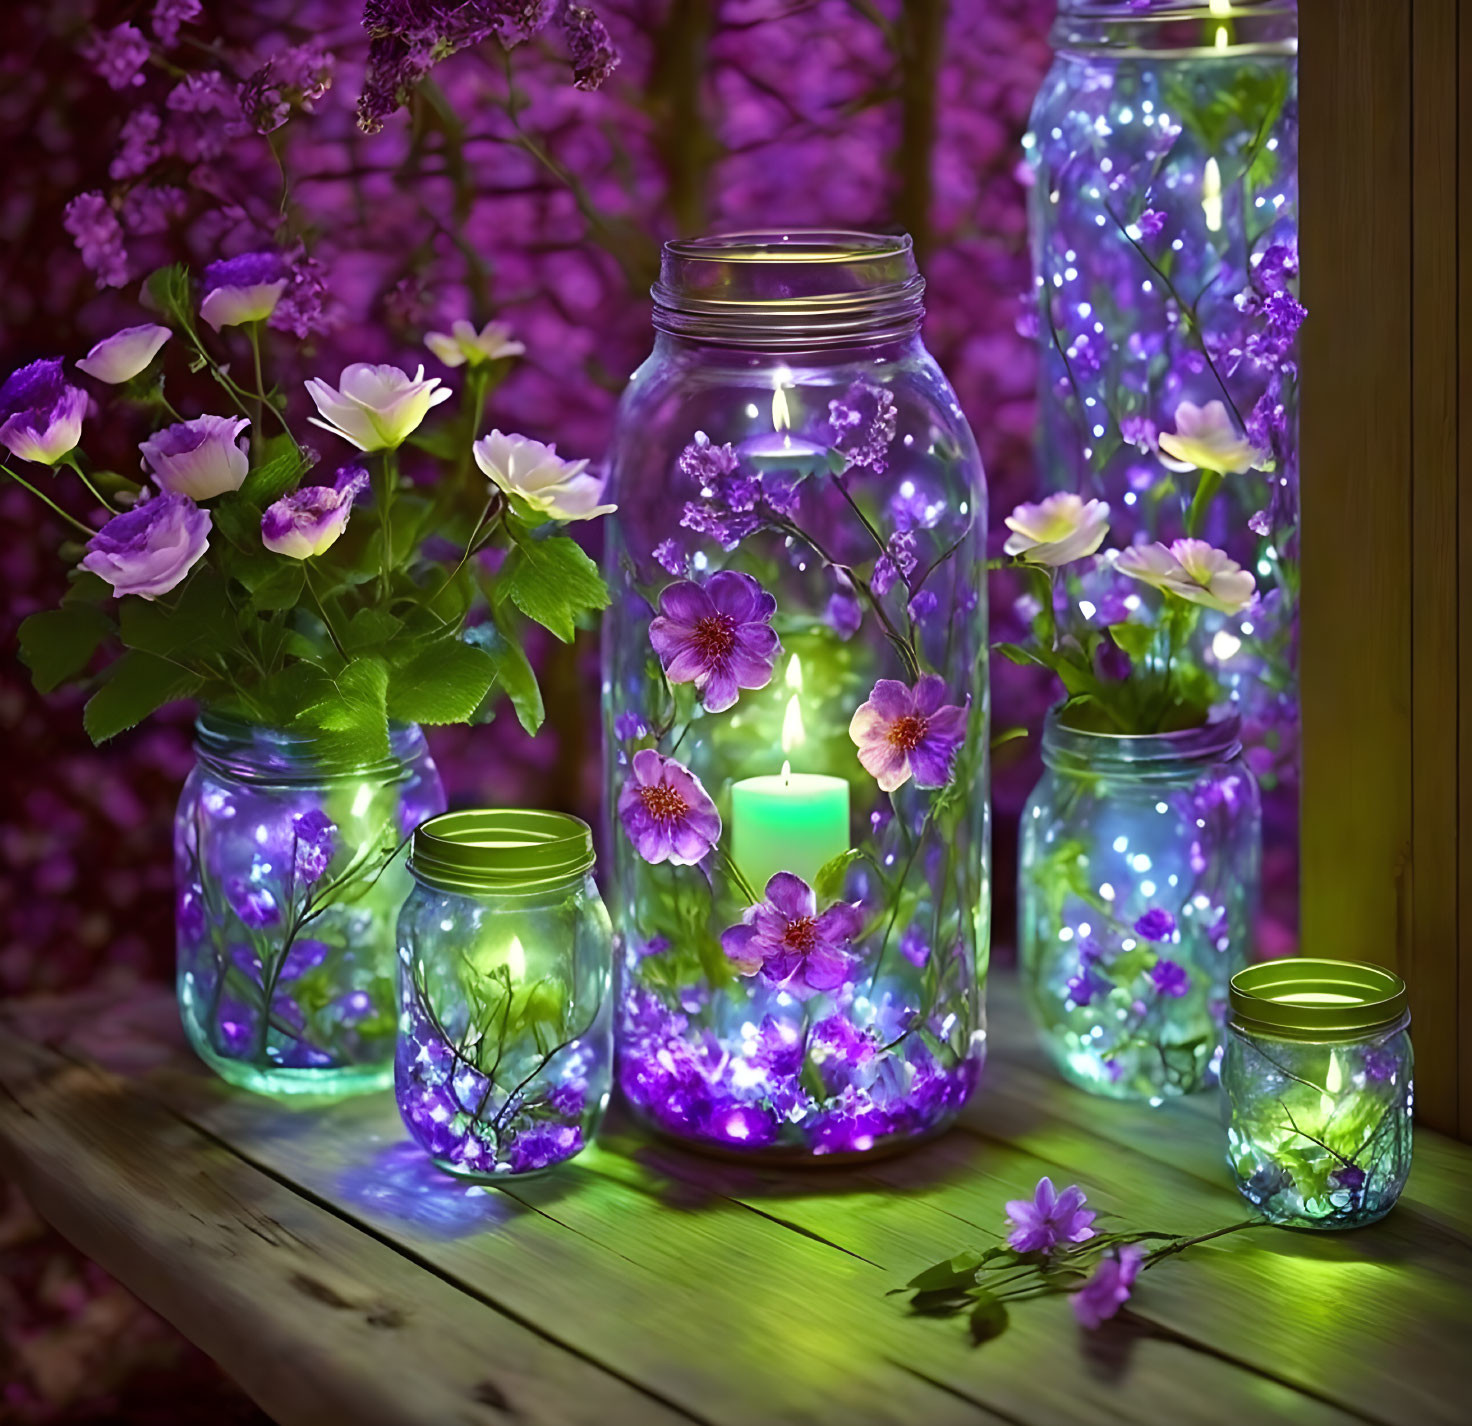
point(316, 1320)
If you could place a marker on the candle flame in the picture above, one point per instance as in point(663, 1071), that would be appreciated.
point(786, 774)
point(794, 674)
point(516, 959)
point(794, 735)
point(1211, 195)
point(781, 416)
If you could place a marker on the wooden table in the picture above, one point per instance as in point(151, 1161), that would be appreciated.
point(339, 1278)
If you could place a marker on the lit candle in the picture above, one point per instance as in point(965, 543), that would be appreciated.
point(793, 822)
point(779, 449)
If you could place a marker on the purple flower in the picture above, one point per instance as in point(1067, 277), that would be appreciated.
point(790, 943)
point(898, 561)
point(727, 508)
point(125, 354)
point(199, 458)
point(243, 289)
point(541, 1145)
point(1380, 1064)
point(628, 726)
point(1138, 431)
point(1276, 268)
point(1170, 979)
point(148, 210)
point(253, 904)
point(1151, 223)
point(670, 557)
point(1048, 1218)
point(718, 637)
point(902, 733)
point(293, 79)
point(149, 549)
point(309, 521)
point(1156, 925)
point(1348, 1176)
point(40, 412)
point(138, 145)
point(1087, 985)
point(168, 15)
point(313, 832)
point(118, 55)
point(863, 422)
point(667, 814)
point(914, 947)
point(923, 605)
point(589, 47)
point(843, 613)
point(1109, 1288)
point(301, 310)
point(99, 238)
point(840, 1050)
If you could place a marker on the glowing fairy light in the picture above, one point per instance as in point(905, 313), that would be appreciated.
point(1211, 195)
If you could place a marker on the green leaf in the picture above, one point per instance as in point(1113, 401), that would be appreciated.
point(1007, 735)
point(443, 442)
point(278, 473)
point(168, 290)
point(57, 644)
point(988, 1318)
point(274, 585)
point(1017, 653)
point(368, 627)
point(202, 622)
point(959, 1271)
point(355, 712)
point(553, 581)
point(1134, 639)
point(137, 684)
point(828, 883)
point(445, 682)
point(513, 673)
point(86, 588)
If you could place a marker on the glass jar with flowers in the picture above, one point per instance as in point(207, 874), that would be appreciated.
point(1140, 848)
point(796, 707)
point(318, 623)
point(1162, 155)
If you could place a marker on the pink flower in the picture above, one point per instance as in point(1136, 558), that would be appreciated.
point(790, 943)
point(717, 636)
point(148, 550)
point(1191, 570)
point(668, 815)
point(1109, 1288)
point(1049, 1218)
point(903, 733)
point(309, 521)
point(125, 354)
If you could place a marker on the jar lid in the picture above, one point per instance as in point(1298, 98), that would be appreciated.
point(1313, 999)
point(501, 849)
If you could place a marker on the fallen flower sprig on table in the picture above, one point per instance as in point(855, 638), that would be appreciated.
point(1051, 1247)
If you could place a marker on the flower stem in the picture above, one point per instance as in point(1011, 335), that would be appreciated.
point(1181, 1244)
point(385, 515)
point(1206, 489)
point(257, 435)
point(47, 500)
point(322, 609)
point(70, 460)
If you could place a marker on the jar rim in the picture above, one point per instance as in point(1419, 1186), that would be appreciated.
point(244, 747)
point(502, 850)
point(1072, 749)
point(789, 288)
point(1310, 998)
point(1127, 29)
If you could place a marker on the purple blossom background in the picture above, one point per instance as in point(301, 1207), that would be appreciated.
point(505, 191)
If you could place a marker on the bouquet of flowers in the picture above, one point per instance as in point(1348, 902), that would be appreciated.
point(227, 573)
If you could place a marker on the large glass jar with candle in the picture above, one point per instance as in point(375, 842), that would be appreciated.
point(1137, 889)
point(1317, 1091)
point(796, 706)
point(289, 872)
point(1163, 213)
point(505, 1048)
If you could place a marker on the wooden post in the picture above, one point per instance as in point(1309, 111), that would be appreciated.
point(1385, 540)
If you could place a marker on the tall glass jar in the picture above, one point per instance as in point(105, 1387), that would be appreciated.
point(505, 1048)
point(796, 710)
point(1317, 1091)
point(1163, 152)
point(289, 872)
point(1137, 888)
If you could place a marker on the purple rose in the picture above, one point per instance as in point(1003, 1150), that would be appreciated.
point(667, 814)
point(718, 637)
point(243, 289)
point(41, 413)
point(125, 354)
point(790, 943)
point(149, 549)
point(199, 458)
point(902, 733)
point(309, 521)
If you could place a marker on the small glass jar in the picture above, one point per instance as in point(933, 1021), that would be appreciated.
point(289, 871)
point(505, 1047)
point(1317, 1091)
point(1137, 891)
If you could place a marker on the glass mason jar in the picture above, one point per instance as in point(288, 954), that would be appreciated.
point(796, 709)
point(289, 872)
point(1317, 1091)
point(1137, 889)
point(1163, 215)
point(505, 1048)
